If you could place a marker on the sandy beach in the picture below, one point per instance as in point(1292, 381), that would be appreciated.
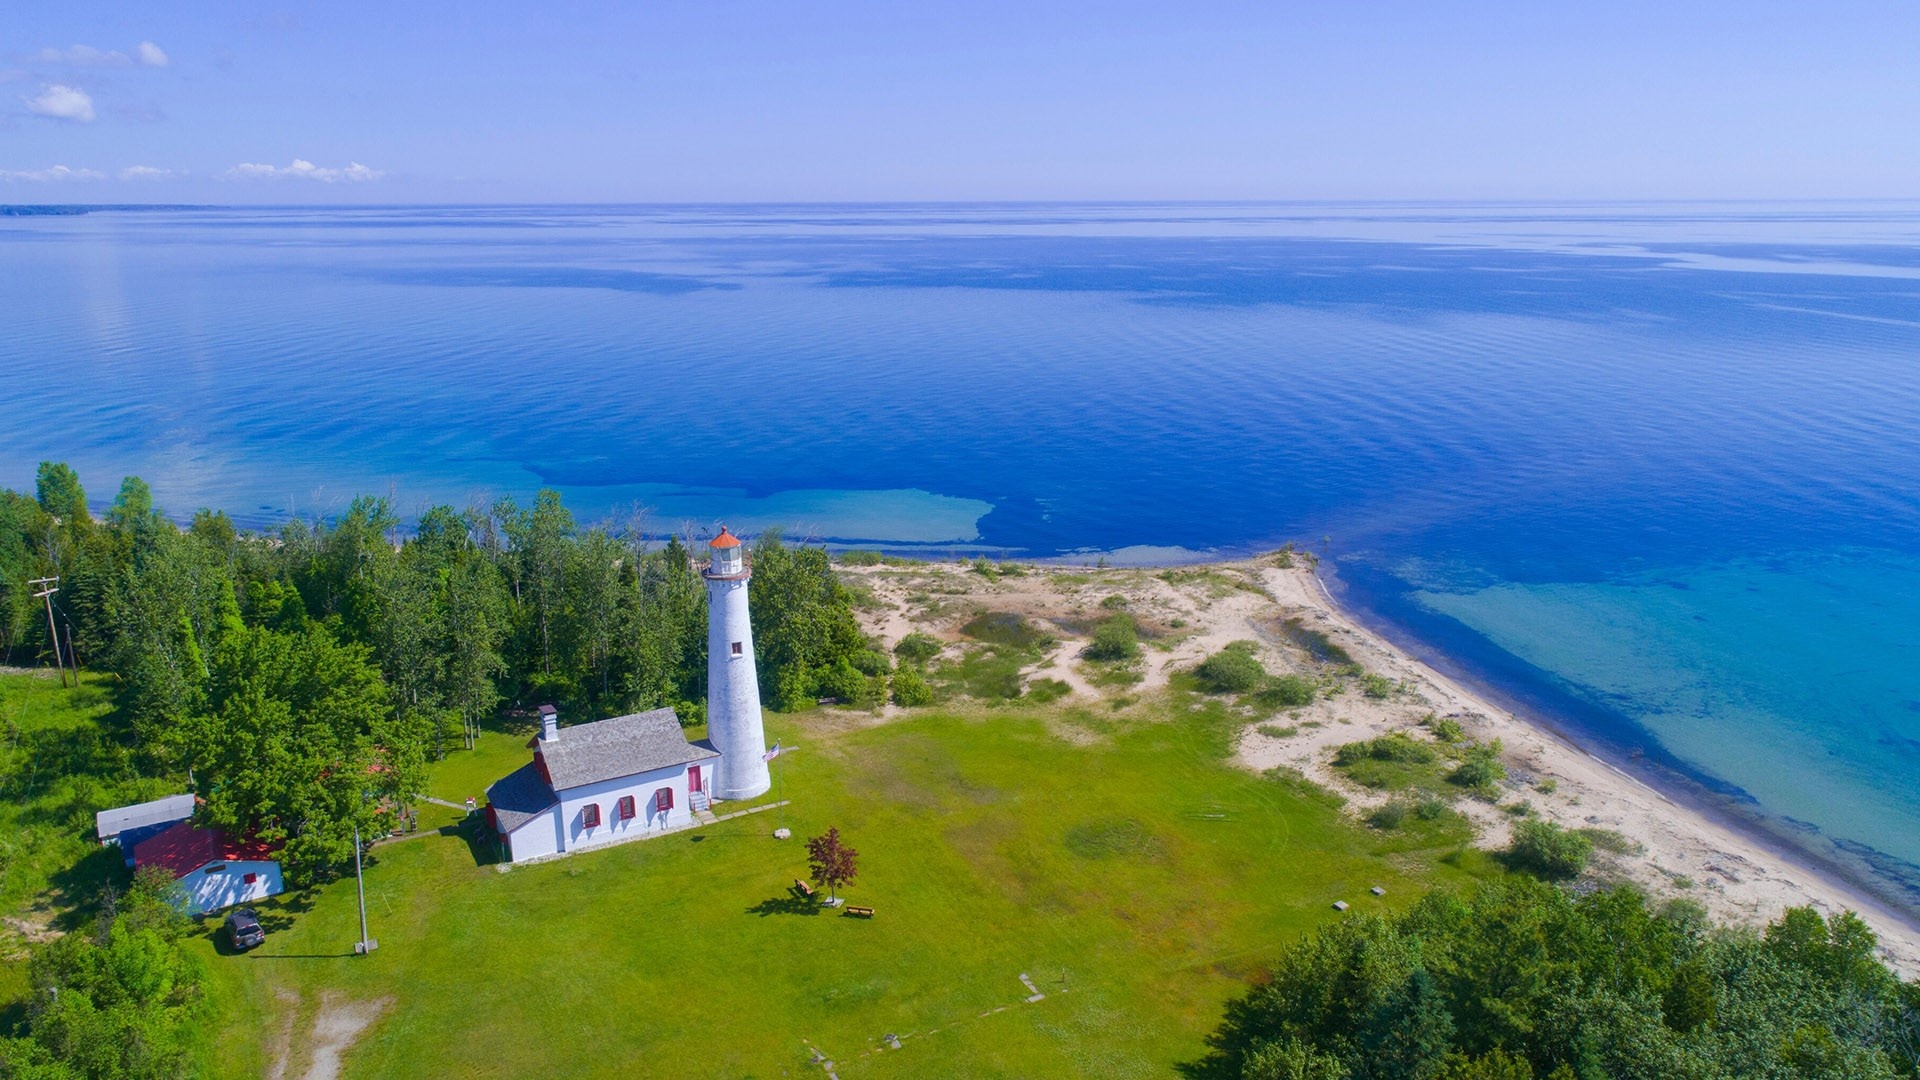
point(1187, 613)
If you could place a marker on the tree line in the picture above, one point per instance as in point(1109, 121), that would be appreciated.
point(1517, 979)
point(305, 675)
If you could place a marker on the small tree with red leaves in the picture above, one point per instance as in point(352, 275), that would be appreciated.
point(831, 862)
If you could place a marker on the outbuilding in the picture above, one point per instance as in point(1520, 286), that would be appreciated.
point(126, 826)
point(214, 869)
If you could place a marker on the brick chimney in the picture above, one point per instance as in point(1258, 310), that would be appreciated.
point(549, 723)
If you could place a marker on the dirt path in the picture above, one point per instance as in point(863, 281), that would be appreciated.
point(337, 1026)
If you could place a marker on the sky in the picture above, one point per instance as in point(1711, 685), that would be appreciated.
point(742, 100)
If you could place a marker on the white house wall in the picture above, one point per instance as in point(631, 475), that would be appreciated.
point(209, 889)
point(534, 838)
point(606, 794)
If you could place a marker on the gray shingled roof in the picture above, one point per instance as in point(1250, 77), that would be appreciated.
point(519, 797)
point(112, 823)
point(622, 746)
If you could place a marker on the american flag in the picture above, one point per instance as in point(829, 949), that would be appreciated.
point(771, 754)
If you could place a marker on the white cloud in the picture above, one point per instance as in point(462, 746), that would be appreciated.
point(301, 169)
point(61, 103)
point(85, 56)
point(151, 55)
point(146, 172)
point(57, 172)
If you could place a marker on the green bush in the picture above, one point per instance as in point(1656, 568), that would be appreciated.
point(1393, 746)
point(1378, 687)
point(910, 688)
point(1114, 639)
point(1232, 670)
point(1545, 848)
point(871, 662)
point(1447, 730)
point(843, 682)
point(1041, 691)
point(1287, 692)
point(1482, 770)
point(1398, 746)
point(858, 558)
point(918, 648)
point(1389, 815)
point(1116, 602)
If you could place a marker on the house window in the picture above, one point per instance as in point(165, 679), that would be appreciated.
point(663, 800)
point(624, 808)
point(590, 816)
point(250, 879)
point(739, 649)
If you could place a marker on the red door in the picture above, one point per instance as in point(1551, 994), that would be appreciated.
point(693, 778)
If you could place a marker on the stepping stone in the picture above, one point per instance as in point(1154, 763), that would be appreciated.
point(1339, 905)
point(1377, 891)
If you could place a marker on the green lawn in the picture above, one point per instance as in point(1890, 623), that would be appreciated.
point(1130, 872)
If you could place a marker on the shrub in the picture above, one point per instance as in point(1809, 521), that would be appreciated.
point(918, 648)
point(1275, 731)
point(1232, 670)
point(1288, 692)
point(1116, 602)
point(1448, 730)
point(1114, 639)
point(858, 558)
point(1378, 687)
point(1389, 815)
point(843, 682)
point(1042, 691)
point(1547, 786)
point(1398, 746)
point(910, 688)
point(1482, 770)
point(871, 662)
point(1548, 850)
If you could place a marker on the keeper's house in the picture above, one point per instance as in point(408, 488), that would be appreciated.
point(599, 783)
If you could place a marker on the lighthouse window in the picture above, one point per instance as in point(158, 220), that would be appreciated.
point(738, 650)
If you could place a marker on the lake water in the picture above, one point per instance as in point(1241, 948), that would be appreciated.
point(1651, 470)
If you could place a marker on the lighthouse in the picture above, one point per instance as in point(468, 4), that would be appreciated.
point(734, 725)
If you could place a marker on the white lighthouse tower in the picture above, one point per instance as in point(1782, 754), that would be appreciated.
point(734, 725)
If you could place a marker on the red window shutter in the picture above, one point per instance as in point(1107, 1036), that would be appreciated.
point(590, 816)
point(626, 808)
point(663, 799)
point(250, 878)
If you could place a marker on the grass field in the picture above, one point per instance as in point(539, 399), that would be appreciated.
point(1114, 858)
point(1126, 869)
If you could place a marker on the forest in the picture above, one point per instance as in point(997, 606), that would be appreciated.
point(303, 677)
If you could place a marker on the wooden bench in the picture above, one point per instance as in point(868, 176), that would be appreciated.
point(861, 912)
point(802, 887)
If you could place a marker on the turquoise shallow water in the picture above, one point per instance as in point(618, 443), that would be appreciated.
point(1653, 470)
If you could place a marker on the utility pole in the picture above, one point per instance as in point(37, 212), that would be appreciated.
point(365, 945)
point(48, 586)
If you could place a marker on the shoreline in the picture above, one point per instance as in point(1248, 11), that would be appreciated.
point(1743, 837)
point(1671, 842)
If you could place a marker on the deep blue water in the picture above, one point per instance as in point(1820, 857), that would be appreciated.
point(1653, 470)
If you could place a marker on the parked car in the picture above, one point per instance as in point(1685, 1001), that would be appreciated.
point(244, 929)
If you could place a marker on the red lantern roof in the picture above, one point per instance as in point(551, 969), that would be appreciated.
point(724, 540)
